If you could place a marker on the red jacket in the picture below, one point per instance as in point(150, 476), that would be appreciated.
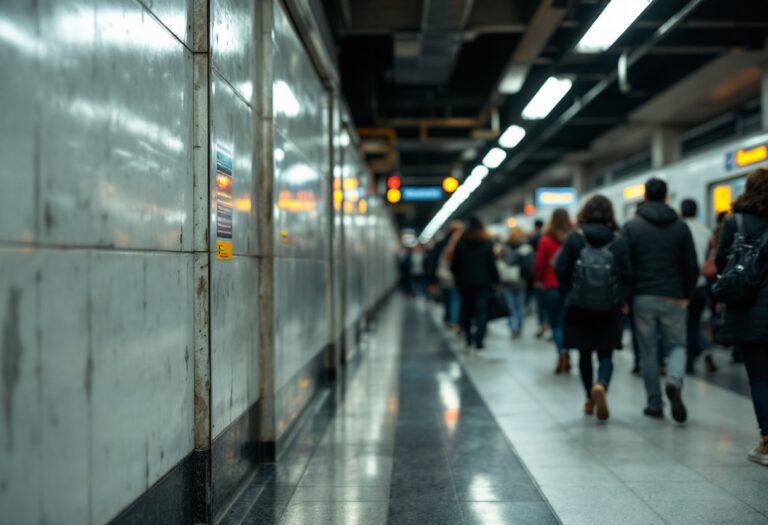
point(543, 268)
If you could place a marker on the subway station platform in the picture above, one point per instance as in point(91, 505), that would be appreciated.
point(420, 433)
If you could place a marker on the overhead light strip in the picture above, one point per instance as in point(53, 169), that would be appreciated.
point(549, 95)
point(616, 18)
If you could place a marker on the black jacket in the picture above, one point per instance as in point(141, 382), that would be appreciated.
point(744, 325)
point(661, 252)
point(473, 263)
point(587, 330)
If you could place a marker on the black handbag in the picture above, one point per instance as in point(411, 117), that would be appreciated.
point(497, 306)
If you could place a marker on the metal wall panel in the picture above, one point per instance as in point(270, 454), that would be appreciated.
point(173, 14)
point(98, 347)
point(234, 331)
point(232, 43)
point(115, 128)
point(301, 146)
point(232, 129)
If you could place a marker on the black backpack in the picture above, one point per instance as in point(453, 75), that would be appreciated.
point(596, 279)
point(742, 276)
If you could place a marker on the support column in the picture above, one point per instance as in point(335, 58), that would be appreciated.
point(202, 511)
point(580, 178)
point(665, 146)
point(267, 431)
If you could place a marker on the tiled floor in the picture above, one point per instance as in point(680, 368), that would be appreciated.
point(422, 434)
point(631, 469)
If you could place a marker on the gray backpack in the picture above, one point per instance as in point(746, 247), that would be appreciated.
point(596, 280)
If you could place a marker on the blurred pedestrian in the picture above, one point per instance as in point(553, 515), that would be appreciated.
point(745, 323)
point(474, 270)
point(557, 230)
point(697, 341)
point(513, 259)
point(534, 289)
point(665, 271)
point(440, 275)
point(595, 275)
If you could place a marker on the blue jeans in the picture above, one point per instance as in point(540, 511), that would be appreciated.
point(452, 305)
point(541, 312)
point(555, 311)
point(474, 312)
point(604, 368)
point(515, 298)
point(658, 317)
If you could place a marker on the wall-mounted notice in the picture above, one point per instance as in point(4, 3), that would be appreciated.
point(223, 203)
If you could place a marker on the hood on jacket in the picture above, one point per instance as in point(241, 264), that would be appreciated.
point(475, 235)
point(657, 213)
point(598, 234)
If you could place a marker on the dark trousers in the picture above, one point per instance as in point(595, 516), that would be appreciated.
point(697, 341)
point(604, 368)
point(756, 361)
point(474, 312)
point(555, 311)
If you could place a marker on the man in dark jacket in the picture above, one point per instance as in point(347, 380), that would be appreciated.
point(665, 271)
point(474, 269)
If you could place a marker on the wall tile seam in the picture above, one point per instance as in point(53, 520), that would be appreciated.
point(157, 19)
point(221, 76)
point(20, 245)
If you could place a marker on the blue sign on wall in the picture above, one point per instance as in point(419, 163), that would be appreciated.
point(556, 197)
point(421, 193)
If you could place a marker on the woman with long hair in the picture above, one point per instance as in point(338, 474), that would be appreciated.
point(745, 326)
point(474, 270)
point(595, 329)
point(557, 230)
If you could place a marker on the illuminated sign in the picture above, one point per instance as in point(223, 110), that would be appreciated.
point(634, 192)
point(746, 157)
point(721, 198)
point(422, 193)
point(555, 197)
point(529, 209)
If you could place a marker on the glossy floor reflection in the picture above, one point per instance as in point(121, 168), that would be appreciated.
point(632, 470)
point(406, 440)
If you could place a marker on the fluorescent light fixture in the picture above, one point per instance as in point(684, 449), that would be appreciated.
point(549, 95)
point(513, 79)
point(479, 171)
point(511, 137)
point(494, 158)
point(617, 16)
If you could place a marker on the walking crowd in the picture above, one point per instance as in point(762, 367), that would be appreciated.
point(588, 282)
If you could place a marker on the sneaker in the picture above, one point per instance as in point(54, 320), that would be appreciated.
point(760, 453)
point(679, 413)
point(601, 402)
point(653, 412)
point(589, 407)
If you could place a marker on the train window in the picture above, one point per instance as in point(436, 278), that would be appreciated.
point(722, 194)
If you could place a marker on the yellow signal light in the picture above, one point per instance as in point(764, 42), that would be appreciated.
point(450, 184)
point(394, 195)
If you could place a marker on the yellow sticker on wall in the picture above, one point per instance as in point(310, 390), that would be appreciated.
point(224, 250)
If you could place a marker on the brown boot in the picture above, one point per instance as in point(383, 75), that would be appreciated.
point(760, 453)
point(567, 366)
point(561, 364)
point(589, 407)
point(600, 401)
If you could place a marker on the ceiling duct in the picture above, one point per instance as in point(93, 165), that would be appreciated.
point(428, 57)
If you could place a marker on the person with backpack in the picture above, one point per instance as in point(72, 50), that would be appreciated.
point(515, 262)
point(665, 271)
point(742, 290)
point(544, 274)
point(474, 271)
point(595, 275)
